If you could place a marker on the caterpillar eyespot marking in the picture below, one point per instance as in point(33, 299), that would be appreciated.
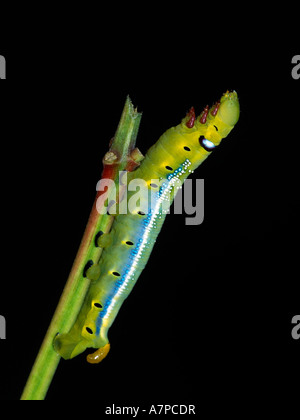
point(116, 274)
point(169, 168)
point(128, 246)
point(97, 305)
point(207, 144)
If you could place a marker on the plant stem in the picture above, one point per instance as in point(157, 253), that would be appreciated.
point(121, 156)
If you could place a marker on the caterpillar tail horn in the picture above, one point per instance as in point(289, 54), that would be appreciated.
point(99, 354)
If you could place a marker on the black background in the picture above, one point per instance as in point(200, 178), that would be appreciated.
point(210, 317)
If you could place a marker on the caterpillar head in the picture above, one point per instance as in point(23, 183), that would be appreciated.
point(214, 123)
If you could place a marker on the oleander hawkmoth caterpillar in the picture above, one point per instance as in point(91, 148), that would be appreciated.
point(128, 246)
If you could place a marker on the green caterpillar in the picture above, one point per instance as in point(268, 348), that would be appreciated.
point(128, 246)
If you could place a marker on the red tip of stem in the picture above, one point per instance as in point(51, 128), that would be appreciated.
point(190, 123)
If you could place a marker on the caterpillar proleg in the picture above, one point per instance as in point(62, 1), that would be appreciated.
point(127, 248)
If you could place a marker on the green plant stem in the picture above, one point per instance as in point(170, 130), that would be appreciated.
point(121, 155)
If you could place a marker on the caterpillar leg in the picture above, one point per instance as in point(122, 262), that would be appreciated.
point(68, 347)
point(99, 355)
